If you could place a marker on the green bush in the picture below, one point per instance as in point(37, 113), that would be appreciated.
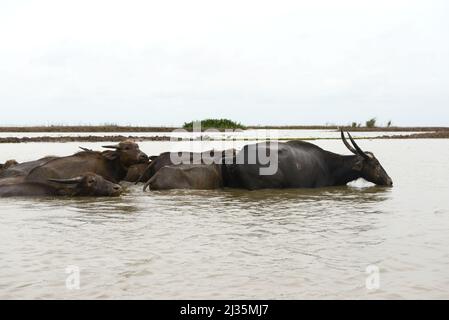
point(215, 124)
point(371, 123)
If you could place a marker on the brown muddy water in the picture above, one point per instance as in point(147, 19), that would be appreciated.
point(232, 244)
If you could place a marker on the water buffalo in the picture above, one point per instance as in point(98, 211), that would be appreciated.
point(22, 169)
point(88, 184)
point(187, 176)
point(12, 180)
point(111, 165)
point(166, 159)
point(138, 172)
point(303, 165)
point(8, 164)
point(135, 172)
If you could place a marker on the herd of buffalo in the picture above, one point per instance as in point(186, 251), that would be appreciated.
point(94, 173)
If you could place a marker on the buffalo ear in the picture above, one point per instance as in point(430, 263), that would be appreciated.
point(110, 155)
point(358, 166)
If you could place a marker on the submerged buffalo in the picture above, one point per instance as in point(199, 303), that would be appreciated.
point(187, 176)
point(135, 172)
point(111, 165)
point(15, 169)
point(7, 164)
point(178, 158)
point(88, 184)
point(303, 165)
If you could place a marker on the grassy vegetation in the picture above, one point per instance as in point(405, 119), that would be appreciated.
point(211, 123)
point(357, 127)
point(98, 128)
point(115, 138)
point(219, 124)
point(371, 123)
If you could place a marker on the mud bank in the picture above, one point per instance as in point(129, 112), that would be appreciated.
point(426, 135)
point(118, 138)
point(105, 128)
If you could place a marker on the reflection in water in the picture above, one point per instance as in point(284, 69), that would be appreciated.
point(312, 243)
point(372, 194)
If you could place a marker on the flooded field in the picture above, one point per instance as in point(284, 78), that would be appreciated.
point(232, 244)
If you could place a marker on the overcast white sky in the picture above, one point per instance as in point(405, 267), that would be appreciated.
point(258, 62)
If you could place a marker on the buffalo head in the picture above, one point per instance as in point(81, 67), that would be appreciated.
point(368, 165)
point(9, 163)
point(128, 152)
point(90, 184)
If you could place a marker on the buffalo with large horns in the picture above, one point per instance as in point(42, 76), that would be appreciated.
point(301, 164)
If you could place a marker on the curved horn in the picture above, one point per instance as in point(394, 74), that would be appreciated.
point(359, 150)
point(67, 181)
point(85, 149)
point(147, 184)
point(347, 143)
point(112, 147)
point(152, 158)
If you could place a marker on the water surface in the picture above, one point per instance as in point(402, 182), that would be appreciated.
point(270, 244)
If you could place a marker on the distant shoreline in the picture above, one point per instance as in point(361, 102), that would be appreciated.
point(119, 129)
point(117, 138)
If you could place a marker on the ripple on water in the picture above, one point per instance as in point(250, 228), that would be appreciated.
point(281, 244)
